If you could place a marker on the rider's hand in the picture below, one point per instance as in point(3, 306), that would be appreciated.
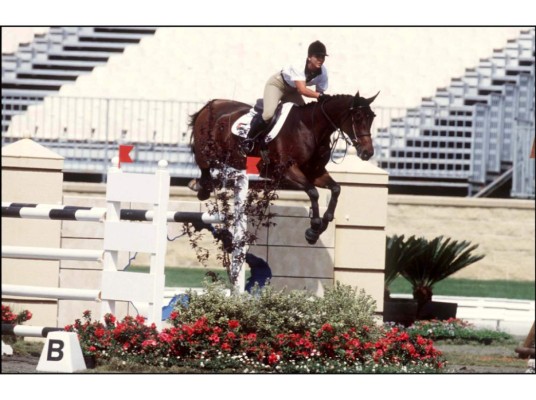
point(323, 97)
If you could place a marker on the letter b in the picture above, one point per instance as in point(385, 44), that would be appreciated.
point(55, 350)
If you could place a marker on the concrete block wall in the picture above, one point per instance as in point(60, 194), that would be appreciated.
point(361, 218)
point(503, 229)
point(30, 171)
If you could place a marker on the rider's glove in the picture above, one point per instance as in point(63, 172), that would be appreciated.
point(323, 97)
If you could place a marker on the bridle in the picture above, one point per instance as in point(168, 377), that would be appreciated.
point(352, 141)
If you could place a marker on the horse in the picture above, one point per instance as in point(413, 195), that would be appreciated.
point(301, 149)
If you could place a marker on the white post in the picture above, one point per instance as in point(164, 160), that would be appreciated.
point(158, 257)
point(110, 259)
point(238, 274)
point(136, 236)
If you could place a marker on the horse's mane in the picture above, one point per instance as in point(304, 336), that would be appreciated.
point(333, 97)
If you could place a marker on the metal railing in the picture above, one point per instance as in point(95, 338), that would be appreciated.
point(429, 141)
point(87, 130)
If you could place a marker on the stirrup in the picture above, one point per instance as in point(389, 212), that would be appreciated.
point(247, 145)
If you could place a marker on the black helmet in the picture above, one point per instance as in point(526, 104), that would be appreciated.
point(317, 47)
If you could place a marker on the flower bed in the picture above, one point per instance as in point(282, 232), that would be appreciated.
point(215, 333)
point(205, 346)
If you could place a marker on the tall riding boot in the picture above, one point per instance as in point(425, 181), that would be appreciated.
point(256, 126)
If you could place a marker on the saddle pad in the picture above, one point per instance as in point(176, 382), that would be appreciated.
point(242, 124)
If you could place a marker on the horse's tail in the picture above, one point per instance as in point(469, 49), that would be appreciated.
point(191, 123)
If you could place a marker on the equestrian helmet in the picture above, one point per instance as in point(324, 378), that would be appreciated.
point(317, 47)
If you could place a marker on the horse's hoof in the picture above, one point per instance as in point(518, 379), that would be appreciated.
point(203, 194)
point(194, 185)
point(311, 236)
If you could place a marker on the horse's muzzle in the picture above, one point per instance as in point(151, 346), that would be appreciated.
point(365, 155)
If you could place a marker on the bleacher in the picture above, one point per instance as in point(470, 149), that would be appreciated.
point(41, 67)
point(475, 134)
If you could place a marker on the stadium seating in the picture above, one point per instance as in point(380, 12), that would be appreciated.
point(41, 67)
point(473, 134)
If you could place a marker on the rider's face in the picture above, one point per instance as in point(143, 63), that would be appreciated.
point(316, 61)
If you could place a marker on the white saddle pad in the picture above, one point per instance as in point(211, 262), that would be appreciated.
point(242, 124)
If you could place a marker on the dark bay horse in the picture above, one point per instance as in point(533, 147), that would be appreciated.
point(302, 147)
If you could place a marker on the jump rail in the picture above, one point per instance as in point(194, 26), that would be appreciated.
point(51, 292)
point(98, 214)
point(28, 331)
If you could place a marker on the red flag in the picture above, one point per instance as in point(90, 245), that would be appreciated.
point(124, 156)
point(251, 165)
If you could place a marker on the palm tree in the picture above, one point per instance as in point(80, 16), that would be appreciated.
point(435, 261)
point(398, 254)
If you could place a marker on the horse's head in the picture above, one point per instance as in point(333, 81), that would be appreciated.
point(358, 125)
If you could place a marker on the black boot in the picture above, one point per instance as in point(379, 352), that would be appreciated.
point(256, 126)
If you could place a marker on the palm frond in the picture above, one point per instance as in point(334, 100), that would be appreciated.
point(438, 259)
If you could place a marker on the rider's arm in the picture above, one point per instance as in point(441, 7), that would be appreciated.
point(305, 91)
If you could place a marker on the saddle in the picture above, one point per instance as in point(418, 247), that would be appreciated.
point(241, 125)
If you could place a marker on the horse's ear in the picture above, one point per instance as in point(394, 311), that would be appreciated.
point(369, 101)
point(357, 94)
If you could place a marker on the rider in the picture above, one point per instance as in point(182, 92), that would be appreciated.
point(290, 84)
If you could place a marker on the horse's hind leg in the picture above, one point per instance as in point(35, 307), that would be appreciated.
point(205, 184)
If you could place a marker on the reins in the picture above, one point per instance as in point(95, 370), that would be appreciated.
point(348, 141)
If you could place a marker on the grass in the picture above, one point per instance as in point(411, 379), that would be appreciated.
point(517, 290)
point(187, 277)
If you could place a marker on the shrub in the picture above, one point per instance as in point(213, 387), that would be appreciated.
point(457, 331)
point(271, 310)
point(9, 317)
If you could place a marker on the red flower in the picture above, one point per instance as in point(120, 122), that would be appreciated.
point(233, 323)
point(99, 332)
point(173, 315)
point(251, 337)
point(231, 336)
point(421, 341)
point(327, 327)
point(273, 358)
point(226, 346)
point(149, 342)
point(165, 337)
point(109, 319)
point(378, 355)
point(214, 338)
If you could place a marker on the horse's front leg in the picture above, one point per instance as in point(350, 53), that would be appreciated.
point(327, 182)
point(298, 180)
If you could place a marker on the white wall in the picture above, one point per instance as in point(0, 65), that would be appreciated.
point(406, 64)
point(13, 37)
